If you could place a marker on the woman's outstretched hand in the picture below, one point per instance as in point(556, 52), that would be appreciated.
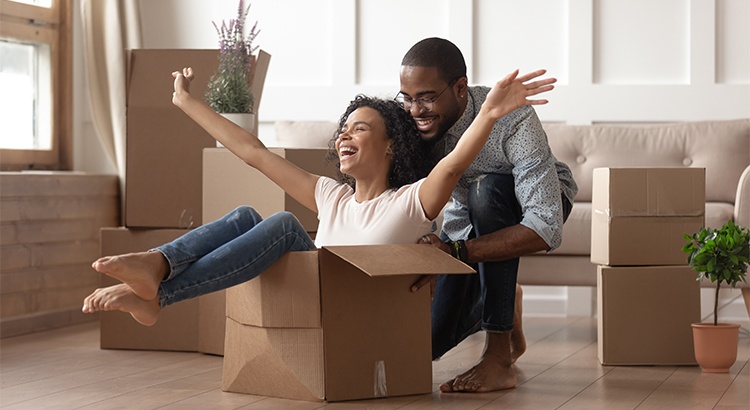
point(182, 84)
point(512, 92)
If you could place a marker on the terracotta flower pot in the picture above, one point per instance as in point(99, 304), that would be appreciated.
point(715, 346)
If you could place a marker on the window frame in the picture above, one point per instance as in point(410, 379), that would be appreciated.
point(56, 31)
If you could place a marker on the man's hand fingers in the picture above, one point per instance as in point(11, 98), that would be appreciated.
point(425, 279)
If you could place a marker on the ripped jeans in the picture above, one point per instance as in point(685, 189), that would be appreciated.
point(464, 304)
point(227, 252)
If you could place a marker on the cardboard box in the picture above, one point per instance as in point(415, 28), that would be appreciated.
point(645, 314)
point(338, 323)
point(228, 183)
point(640, 214)
point(177, 327)
point(165, 146)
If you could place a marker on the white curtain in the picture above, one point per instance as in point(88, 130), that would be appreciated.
point(110, 27)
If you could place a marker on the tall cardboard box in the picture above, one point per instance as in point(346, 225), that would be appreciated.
point(640, 214)
point(338, 323)
point(645, 314)
point(164, 146)
point(228, 183)
point(177, 327)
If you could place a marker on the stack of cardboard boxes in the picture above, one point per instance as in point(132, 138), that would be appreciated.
point(647, 295)
point(163, 195)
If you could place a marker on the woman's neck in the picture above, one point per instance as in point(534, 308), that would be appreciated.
point(369, 189)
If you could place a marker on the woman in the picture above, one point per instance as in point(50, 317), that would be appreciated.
point(377, 200)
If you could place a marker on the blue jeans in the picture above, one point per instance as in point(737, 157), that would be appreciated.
point(464, 304)
point(227, 252)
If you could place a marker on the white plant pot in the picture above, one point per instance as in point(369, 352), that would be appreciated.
point(244, 120)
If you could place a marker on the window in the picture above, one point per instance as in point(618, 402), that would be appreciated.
point(35, 84)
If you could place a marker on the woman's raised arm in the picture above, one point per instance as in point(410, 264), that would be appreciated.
point(506, 96)
point(296, 182)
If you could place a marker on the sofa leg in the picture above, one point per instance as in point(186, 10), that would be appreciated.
point(746, 296)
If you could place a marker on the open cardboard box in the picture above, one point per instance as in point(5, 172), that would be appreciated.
point(645, 313)
point(228, 183)
point(164, 146)
point(338, 323)
point(640, 214)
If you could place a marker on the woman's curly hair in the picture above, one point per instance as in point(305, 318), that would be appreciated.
point(409, 160)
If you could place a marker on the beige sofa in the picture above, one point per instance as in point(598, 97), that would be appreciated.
point(722, 147)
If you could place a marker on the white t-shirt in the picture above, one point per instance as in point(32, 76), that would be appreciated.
point(395, 217)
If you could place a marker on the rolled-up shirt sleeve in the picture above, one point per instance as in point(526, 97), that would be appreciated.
point(537, 183)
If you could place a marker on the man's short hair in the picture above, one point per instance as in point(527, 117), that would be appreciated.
point(438, 53)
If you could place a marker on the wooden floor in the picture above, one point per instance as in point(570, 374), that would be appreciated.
point(65, 369)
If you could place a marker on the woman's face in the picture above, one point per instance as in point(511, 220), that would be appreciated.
point(363, 145)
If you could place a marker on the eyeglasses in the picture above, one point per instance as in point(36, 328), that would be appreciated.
point(424, 104)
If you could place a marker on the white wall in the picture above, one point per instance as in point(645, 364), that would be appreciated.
point(617, 61)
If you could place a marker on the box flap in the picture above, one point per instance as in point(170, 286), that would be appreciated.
point(259, 78)
point(391, 260)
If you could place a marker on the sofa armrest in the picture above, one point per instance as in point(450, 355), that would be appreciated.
point(742, 201)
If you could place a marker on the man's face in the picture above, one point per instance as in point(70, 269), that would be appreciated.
point(424, 82)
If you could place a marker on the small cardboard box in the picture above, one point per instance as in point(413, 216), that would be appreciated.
point(640, 214)
point(645, 313)
point(177, 327)
point(338, 323)
point(228, 183)
point(165, 146)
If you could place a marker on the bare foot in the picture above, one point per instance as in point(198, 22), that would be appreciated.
point(121, 297)
point(492, 372)
point(517, 339)
point(142, 271)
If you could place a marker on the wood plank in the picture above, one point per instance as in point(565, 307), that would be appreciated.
point(64, 253)
point(49, 277)
point(66, 207)
point(58, 183)
point(56, 230)
point(623, 387)
point(738, 393)
point(14, 257)
point(690, 387)
point(19, 304)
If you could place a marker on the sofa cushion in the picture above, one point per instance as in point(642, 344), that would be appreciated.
point(304, 134)
point(722, 147)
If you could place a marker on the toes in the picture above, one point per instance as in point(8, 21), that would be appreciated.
point(447, 386)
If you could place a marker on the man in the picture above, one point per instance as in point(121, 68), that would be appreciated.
point(512, 201)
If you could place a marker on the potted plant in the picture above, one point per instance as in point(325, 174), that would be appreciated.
point(721, 256)
point(228, 90)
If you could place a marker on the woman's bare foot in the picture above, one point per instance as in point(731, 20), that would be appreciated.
point(142, 271)
point(517, 339)
point(121, 297)
point(492, 372)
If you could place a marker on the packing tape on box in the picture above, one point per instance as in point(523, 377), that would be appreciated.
point(624, 213)
point(380, 388)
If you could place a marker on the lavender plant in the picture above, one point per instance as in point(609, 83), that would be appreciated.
point(229, 86)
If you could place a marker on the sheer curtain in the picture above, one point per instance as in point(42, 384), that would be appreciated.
point(110, 27)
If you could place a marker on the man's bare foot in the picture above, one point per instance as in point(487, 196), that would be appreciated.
point(517, 339)
point(142, 271)
point(121, 297)
point(492, 372)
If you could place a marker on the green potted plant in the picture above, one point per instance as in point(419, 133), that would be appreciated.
point(720, 255)
point(228, 91)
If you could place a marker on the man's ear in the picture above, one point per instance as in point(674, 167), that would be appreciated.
point(461, 86)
